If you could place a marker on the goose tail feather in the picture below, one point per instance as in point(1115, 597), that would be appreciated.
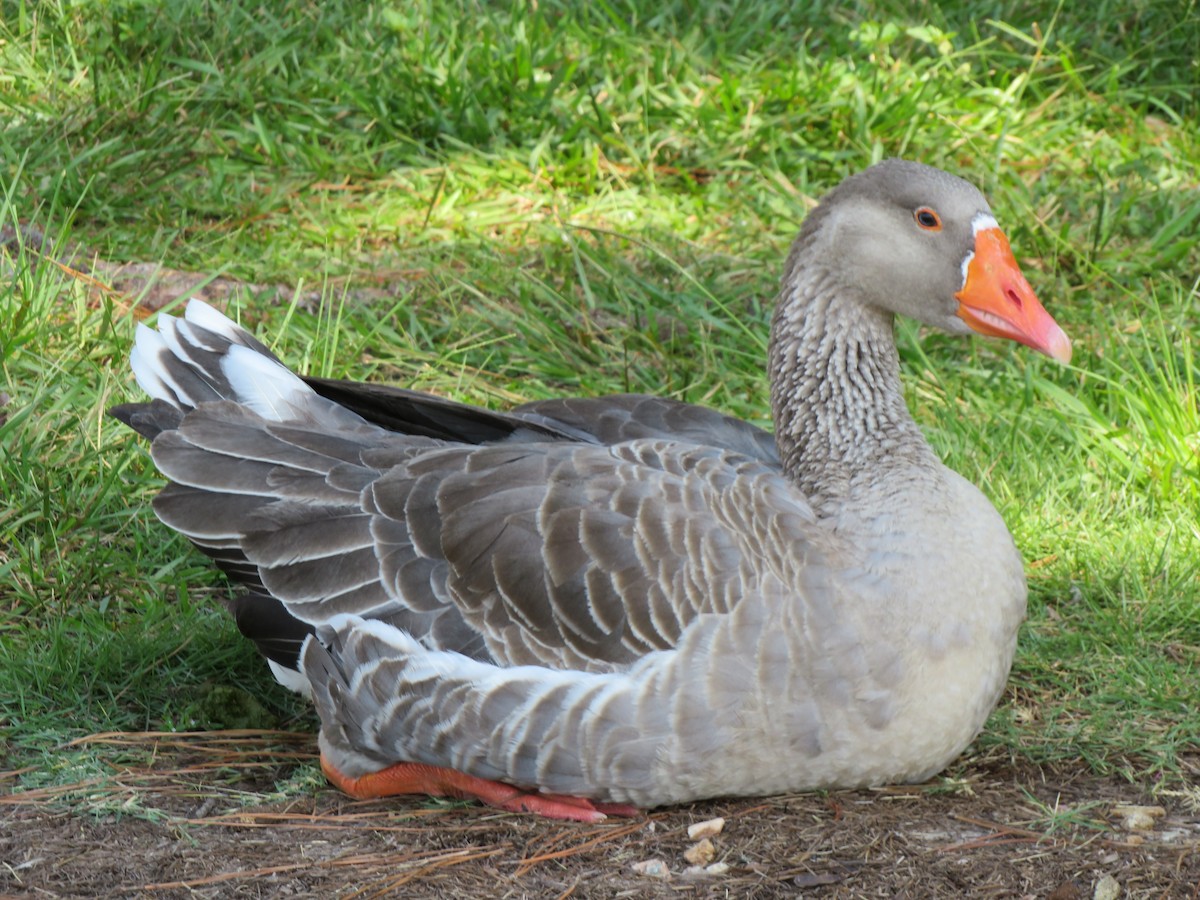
point(205, 357)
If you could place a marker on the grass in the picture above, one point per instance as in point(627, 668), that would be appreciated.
point(508, 202)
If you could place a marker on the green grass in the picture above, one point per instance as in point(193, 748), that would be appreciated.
point(507, 202)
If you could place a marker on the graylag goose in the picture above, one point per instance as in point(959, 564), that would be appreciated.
point(581, 607)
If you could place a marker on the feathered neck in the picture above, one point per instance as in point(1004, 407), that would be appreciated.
point(840, 417)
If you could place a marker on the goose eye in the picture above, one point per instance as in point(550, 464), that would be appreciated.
point(928, 219)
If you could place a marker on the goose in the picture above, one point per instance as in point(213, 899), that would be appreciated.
point(584, 607)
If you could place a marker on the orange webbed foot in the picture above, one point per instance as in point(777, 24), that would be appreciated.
point(436, 781)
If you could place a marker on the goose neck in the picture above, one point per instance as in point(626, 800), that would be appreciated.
point(840, 415)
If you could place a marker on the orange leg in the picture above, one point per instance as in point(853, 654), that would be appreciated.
point(435, 781)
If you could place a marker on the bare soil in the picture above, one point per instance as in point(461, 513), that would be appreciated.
point(202, 815)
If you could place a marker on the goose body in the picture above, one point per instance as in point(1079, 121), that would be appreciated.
point(630, 599)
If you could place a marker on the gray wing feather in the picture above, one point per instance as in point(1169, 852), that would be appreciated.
point(562, 554)
point(628, 417)
point(281, 507)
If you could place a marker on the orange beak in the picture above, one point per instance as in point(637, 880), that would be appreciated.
point(997, 300)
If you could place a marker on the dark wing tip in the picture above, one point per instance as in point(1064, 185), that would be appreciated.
point(148, 419)
point(265, 620)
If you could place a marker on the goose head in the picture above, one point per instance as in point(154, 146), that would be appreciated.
point(904, 238)
point(899, 238)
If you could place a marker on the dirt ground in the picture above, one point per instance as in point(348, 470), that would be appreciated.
point(203, 815)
